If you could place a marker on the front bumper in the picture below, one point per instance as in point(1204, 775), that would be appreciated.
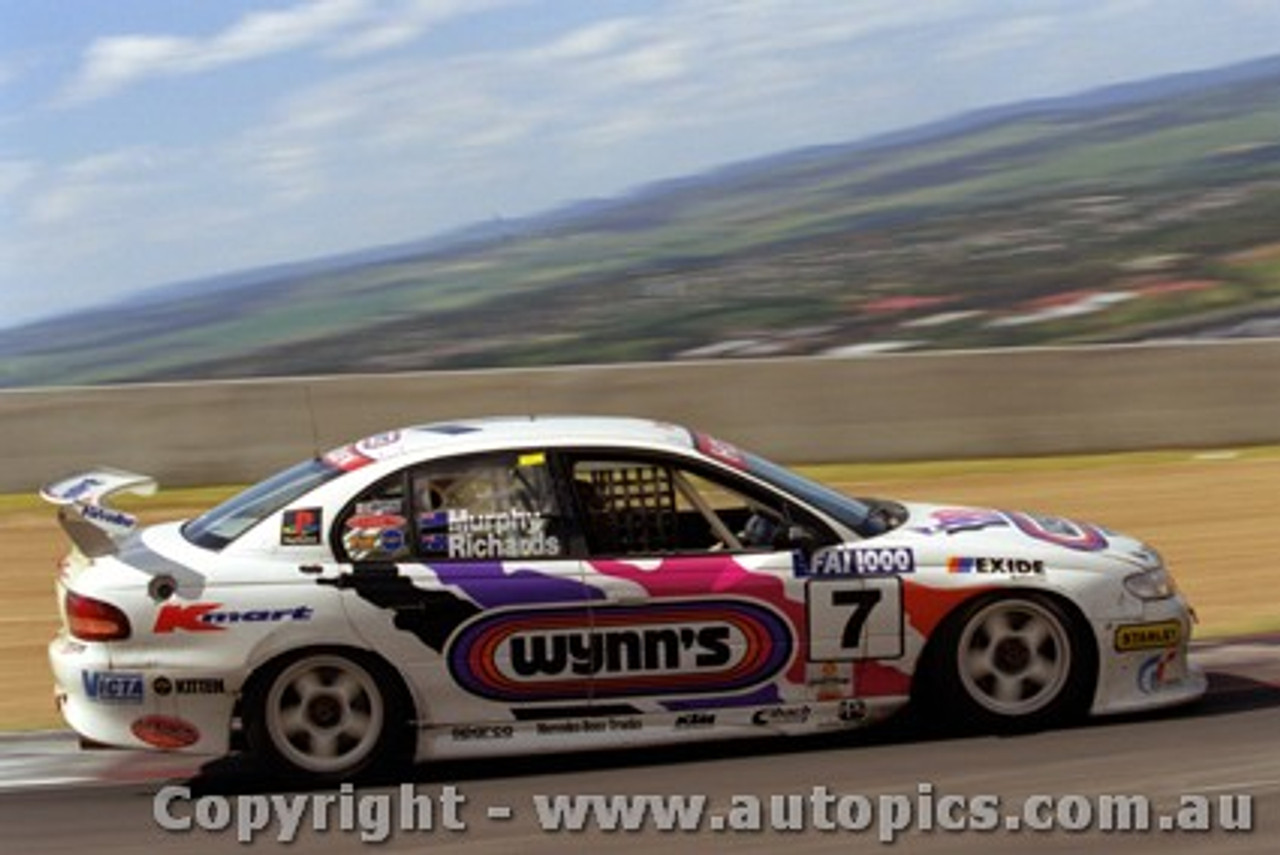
point(122, 706)
point(1143, 665)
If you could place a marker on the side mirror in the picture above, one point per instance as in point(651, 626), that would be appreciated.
point(799, 537)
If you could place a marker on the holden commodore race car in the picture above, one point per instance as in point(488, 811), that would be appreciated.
point(543, 584)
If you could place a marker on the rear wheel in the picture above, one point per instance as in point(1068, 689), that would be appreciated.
point(1020, 661)
point(330, 716)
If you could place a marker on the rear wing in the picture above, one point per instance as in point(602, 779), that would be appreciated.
point(94, 527)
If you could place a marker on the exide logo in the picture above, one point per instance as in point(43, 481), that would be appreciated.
point(685, 647)
point(210, 617)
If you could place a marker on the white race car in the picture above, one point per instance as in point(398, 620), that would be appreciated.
point(544, 584)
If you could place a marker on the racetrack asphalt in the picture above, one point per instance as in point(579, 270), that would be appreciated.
point(55, 798)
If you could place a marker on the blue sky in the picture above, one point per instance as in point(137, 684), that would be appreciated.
point(144, 142)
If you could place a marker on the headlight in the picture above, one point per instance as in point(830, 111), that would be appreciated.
point(1153, 584)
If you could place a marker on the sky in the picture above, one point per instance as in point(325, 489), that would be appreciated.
point(146, 142)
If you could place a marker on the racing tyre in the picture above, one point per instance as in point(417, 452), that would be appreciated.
point(1013, 662)
point(328, 717)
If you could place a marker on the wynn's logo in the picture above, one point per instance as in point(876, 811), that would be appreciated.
point(621, 651)
point(682, 647)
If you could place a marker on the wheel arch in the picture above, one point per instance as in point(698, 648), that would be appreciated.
point(926, 663)
point(382, 670)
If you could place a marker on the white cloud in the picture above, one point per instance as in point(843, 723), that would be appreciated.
point(592, 40)
point(92, 187)
point(400, 23)
point(264, 33)
point(114, 63)
point(14, 176)
point(1003, 36)
point(340, 28)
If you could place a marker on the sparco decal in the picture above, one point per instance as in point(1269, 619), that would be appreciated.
point(211, 617)
point(668, 648)
point(481, 732)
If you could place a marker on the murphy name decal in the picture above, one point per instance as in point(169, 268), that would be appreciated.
point(686, 648)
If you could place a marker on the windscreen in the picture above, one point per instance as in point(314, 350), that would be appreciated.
point(846, 510)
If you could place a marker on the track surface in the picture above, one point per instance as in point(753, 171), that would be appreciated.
point(54, 798)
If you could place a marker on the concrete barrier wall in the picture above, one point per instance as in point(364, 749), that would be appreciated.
point(901, 407)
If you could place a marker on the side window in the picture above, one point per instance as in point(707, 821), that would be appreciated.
point(648, 507)
point(628, 507)
point(494, 506)
point(377, 527)
point(485, 507)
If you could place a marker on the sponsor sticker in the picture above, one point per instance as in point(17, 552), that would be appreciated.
point(829, 680)
point(852, 711)
point(375, 535)
point(85, 485)
point(1160, 671)
point(379, 441)
point(1148, 636)
point(165, 731)
point(588, 725)
point(996, 566)
point(211, 617)
point(509, 534)
point(682, 647)
point(109, 518)
point(773, 716)
point(718, 449)
point(347, 458)
point(113, 687)
point(694, 720)
point(958, 520)
point(482, 732)
point(165, 686)
point(845, 561)
point(301, 527)
point(1082, 537)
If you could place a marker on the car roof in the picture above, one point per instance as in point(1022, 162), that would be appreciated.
point(531, 430)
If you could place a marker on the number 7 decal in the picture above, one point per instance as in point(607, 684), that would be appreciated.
point(854, 618)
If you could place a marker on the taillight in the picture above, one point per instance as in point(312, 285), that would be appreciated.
point(93, 620)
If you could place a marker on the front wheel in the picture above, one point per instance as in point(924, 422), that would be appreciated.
point(1014, 661)
point(329, 716)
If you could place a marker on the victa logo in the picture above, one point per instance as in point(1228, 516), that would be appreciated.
point(113, 687)
point(211, 617)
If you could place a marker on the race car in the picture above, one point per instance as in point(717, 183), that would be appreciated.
point(540, 584)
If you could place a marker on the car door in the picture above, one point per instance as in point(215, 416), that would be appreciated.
point(703, 604)
point(464, 570)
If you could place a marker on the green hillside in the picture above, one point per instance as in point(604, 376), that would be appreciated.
point(1070, 222)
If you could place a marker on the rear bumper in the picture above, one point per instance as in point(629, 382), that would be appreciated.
point(139, 708)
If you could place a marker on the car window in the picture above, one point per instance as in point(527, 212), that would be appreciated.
point(219, 526)
point(497, 506)
point(376, 527)
point(655, 506)
point(480, 507)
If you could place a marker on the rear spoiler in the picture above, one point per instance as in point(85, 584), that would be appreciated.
point(93, 527)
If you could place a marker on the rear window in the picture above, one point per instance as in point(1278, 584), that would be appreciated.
point(219, 526)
